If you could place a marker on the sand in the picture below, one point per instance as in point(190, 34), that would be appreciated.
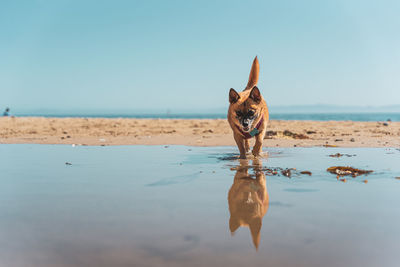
point(193, 132)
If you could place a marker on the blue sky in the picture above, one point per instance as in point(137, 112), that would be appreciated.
point(144, 55)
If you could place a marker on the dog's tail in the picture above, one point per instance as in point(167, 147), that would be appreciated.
point(254, 72)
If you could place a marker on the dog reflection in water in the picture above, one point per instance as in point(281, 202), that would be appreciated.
point(248, 199)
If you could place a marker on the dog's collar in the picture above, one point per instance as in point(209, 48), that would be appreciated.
point(253, 132)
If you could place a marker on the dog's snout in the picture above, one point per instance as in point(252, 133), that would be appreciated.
point(245, 123)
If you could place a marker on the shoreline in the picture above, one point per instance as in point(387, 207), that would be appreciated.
point(193, 132)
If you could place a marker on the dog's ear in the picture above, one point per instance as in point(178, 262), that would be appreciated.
point(233, 96)
point(255, 94)
point(234, 224)
point(255, 228)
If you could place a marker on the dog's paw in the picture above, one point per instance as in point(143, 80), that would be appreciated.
point(242, 157)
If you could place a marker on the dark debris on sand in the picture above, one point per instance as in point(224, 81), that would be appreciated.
point(338, 155)
point(287, 172)
point(295, 135)
point(275, 171)
point(271, 134)
point(347, 171)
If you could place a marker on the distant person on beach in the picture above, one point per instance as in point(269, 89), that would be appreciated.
point(6, 112)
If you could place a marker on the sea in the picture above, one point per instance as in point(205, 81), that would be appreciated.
point(378, 116)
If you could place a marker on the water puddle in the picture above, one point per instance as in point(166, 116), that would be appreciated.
point(193, 206)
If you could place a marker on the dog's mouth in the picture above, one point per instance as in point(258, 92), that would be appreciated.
point(245, 124)
point(246, 129)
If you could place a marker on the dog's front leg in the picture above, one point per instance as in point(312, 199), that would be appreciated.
point(246, 145)
point(257, 149)
point(240, 143)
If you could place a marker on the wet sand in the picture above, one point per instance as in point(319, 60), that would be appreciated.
point(193, 132)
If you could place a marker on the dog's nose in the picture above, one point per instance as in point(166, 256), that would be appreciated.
point(245, 123)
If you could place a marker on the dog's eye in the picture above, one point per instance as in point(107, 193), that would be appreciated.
point(250, 113)
point(239, 113)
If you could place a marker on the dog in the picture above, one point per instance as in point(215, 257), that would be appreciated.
point(248, 114)
point(248, 201)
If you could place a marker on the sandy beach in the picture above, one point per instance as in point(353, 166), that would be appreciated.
point(192, 132)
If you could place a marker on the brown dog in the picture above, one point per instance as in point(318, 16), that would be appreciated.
point(248, 114)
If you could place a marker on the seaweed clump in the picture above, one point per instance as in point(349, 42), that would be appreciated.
point(295, 135)
point(350, 171)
